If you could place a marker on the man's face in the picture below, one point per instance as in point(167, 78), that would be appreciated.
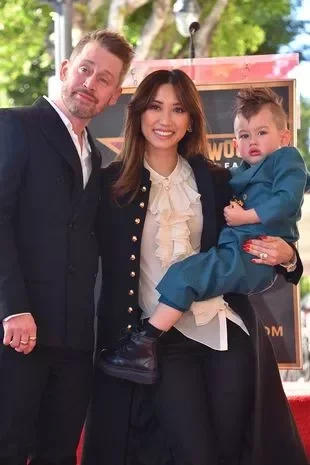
point(258, 137)
point(90, 81)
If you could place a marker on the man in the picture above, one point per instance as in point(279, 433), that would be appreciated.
point(49, 173)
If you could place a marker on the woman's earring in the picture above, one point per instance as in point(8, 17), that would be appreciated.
point(189, 129)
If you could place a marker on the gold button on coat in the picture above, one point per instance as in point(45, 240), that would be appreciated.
point(130, 309)
point(132, 257)
point(134, 238)
point(141, 205)
point(143, 189)
point(132, 274)
point(137, 220)
point(131, 292)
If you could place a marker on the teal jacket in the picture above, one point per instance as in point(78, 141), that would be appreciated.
point(275, 188)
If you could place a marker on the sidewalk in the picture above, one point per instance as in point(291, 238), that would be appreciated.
point(296, 388)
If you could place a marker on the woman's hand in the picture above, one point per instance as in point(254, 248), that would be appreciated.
point(269, 250)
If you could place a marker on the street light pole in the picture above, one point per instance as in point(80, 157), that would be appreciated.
point(57, 37)
point(62, 30)
point(186, 12)
point(66, 29)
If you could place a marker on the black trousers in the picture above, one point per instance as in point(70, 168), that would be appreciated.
point(44, 398)
point(204, 397)
point(197, 414)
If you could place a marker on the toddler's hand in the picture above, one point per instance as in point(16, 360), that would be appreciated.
point(234, 214)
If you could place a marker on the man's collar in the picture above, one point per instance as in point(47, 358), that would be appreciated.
point(67, 122)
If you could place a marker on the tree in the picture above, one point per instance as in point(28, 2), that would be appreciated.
point(304, 131)
point(228, 27)
point(304, 286)
point(24, 55)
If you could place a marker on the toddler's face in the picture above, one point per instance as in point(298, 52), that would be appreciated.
point(258, 137)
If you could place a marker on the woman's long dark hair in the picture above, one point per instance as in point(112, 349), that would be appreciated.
point(133, 150)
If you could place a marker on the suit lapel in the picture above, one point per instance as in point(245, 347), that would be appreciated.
point(245, 174)
point(93, 181)
point(58, 136)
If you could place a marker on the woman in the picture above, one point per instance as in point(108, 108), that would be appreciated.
point(209, 406)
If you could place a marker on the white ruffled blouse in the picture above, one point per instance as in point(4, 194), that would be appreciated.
point(172, 232)
point(174, 202)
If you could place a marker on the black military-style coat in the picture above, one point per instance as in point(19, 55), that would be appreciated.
point(118, 414)
point(48, 249)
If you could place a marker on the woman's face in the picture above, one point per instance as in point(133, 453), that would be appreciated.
point(165, 122)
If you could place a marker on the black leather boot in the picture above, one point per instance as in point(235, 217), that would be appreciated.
point(136, 359)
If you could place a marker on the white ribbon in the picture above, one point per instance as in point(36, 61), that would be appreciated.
point(205, 311)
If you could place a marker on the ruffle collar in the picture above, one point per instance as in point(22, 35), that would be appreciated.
point(171, 201)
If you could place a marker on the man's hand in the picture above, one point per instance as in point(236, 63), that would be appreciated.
point(20, 333)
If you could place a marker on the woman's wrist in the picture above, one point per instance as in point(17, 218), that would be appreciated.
point(291, 264)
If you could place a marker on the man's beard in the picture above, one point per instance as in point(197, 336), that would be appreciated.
point(75, 107)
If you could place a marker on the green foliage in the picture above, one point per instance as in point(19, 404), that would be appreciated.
point(279, 31)
point(304, 131)
point(304, 286)
point(247, 24)
point(90, 21)
point(136, 22)
point(246, 27)
point(25, 62)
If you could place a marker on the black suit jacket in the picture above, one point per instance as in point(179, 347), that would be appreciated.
point(47, 246)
